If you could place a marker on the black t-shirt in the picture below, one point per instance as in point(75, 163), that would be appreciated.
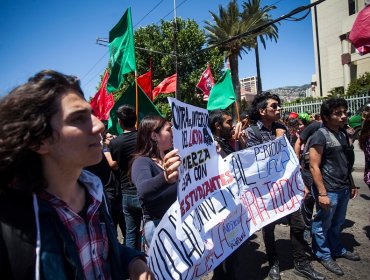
point(121, 149)
point(107, 177)
point(334, 163)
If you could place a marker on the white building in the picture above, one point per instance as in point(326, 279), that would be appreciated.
point(248, 88)
point(336, 61)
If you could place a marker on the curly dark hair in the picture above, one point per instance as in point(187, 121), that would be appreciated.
point(330, 105)
point(260, 102)
point(25, 115)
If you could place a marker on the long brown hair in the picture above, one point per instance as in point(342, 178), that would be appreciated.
point(145, 145)
point(365, 132)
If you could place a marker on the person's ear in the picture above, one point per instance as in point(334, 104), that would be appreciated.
point(153, 136)
point(44, 147)
point(217, 125)
point(262, 111)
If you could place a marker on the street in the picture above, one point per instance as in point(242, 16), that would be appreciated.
point(355, 236)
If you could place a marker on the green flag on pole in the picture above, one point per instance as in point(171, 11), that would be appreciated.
point(122, 51)
point(222, 94)
point(146, 107)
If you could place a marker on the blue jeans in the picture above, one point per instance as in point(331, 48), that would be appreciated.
point(132, 211)
point(149, 229)
point(326, 226)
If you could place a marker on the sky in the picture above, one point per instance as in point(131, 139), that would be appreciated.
point(61, 35)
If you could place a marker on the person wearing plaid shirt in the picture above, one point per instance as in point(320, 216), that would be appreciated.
point(54, 221)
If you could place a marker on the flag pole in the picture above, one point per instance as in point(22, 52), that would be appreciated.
point(236, 102)
point(136, 101)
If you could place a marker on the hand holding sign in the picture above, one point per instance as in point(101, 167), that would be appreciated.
point(171, 162)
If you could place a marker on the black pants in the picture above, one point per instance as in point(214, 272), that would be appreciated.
point(297, 227)
point(307, 210)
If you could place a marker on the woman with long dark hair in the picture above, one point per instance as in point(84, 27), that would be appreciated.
point(154, 171)
point(364, 141)
point(54, 221)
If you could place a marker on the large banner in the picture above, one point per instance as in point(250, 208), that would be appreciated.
point(251, 189)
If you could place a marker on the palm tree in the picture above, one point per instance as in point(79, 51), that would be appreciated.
point(232, 22)
point(253, 11)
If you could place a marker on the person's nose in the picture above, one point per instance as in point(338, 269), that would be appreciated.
point(98, 126)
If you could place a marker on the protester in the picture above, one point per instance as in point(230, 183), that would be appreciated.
point(121, 149)
point(112, 191)
point(364, 141)
point(220, 123)
point(366, 111)
point(154, 171)
point(54, 222)
point(266, 113)
point(107, 171)
point(244, 118)
point(302, 154)
point(331, 165)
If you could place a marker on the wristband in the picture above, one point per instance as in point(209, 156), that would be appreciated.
point(323, 194)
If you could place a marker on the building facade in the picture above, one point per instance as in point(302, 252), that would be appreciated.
point(336, 60)
point(248, 88)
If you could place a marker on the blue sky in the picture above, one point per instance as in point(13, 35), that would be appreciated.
point(61, 35)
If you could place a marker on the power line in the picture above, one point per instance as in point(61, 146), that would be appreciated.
point(99, 43)
point(95, 65)
point(261, 27)
point(177, 6)
point(149, 12)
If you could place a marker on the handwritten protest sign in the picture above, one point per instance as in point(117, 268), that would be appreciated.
point(199, 174)
point(254, 187)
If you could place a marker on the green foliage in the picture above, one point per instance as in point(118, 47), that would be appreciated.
point(232, 21)
point(357, 86)
point(190, 40)
point(162, 104)
point(360, 85)
point(337, 91)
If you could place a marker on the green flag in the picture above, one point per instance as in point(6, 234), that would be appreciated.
point(222, 94)
point(122, 51)
point(146, 107)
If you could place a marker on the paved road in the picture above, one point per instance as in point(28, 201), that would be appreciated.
point(355, 236)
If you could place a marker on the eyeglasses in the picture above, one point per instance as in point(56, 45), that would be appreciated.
point(275, 106)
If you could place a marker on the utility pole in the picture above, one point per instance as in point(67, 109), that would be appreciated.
point(177, 93)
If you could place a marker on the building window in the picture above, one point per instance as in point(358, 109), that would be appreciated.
point(352, 7)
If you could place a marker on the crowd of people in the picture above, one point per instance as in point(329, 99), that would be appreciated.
point(67, 184)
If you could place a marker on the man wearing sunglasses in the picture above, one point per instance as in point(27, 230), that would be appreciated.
point(265, 113)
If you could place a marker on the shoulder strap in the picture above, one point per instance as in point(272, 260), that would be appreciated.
point(257, 132)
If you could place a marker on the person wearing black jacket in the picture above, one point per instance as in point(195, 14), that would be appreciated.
point(54, 222)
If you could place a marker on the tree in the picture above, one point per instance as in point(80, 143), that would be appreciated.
point(232, 22)
point(361, 85)
point(253, 12)
point(192, 61)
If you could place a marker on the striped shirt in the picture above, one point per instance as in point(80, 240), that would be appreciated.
point(87, 231)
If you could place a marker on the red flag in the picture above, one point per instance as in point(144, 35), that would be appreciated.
point(102, 102)
point(145, 82)
point(206, 83)
point(360, 33)
point(168, 85)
